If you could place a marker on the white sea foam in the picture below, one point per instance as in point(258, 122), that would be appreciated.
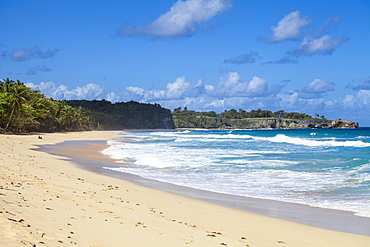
point(199, 136)
point(114, 142)
point(362, 168)
point(256, 164)
point(261, 163)
point(363, 137)
point(281, 138)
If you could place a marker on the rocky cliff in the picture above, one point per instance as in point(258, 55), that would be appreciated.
point(288, 124)
point(260, 123)
point(254, 119)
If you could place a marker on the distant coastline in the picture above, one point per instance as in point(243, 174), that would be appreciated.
point(259, 119)
point(135, 115)
point(287, 124)
point(24, 110)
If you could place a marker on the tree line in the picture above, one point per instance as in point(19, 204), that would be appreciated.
point(125, 115)
point(25, 110)
point(184, 118)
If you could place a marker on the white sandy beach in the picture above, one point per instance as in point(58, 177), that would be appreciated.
point(46, 200)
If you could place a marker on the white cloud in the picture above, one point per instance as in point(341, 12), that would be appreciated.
point(136, 90)
point(283, 60)
point(351, 107)
point(249, 57)
point(89, 91)
point(26, 54)
point(349, 101)
point(316, 88)
point(352, 103)
point(215, 104)
point(319, 86)
point(325, 45)
point(178, 88)
point(184, 18)
point(365, 85)
point(318, 42)
point(231, 85)
point(36, 69)
point(112, 97)
point(145, 95)
point(20, 55)
point(364, 97)
point(354, 107)
point(209, 88)
point(257, 86)
point(230, 92)
point(47, 88)
point(289, 99)
point(327, 24)
point(289, 27)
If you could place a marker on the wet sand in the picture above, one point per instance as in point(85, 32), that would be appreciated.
point(46, 200)
point(87, 156)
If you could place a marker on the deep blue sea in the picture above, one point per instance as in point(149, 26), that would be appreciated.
point(328, 168)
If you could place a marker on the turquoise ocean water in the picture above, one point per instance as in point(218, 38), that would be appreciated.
point(317, 167)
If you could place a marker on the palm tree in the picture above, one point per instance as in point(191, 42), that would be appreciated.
point(18, 82)
point(66, 115)
point(17, 97)
point(6, 85)
point(77, 118)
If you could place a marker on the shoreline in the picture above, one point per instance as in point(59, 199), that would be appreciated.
point(48, 200)
point(331, 219)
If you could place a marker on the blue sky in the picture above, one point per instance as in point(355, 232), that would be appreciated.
point(308, 56)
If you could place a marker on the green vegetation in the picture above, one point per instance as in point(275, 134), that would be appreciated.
point(129, 115)
point(26, 110)
point(231, 118)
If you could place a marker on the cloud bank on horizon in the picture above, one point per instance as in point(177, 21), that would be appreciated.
point(295, 38)
point(230, 92)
